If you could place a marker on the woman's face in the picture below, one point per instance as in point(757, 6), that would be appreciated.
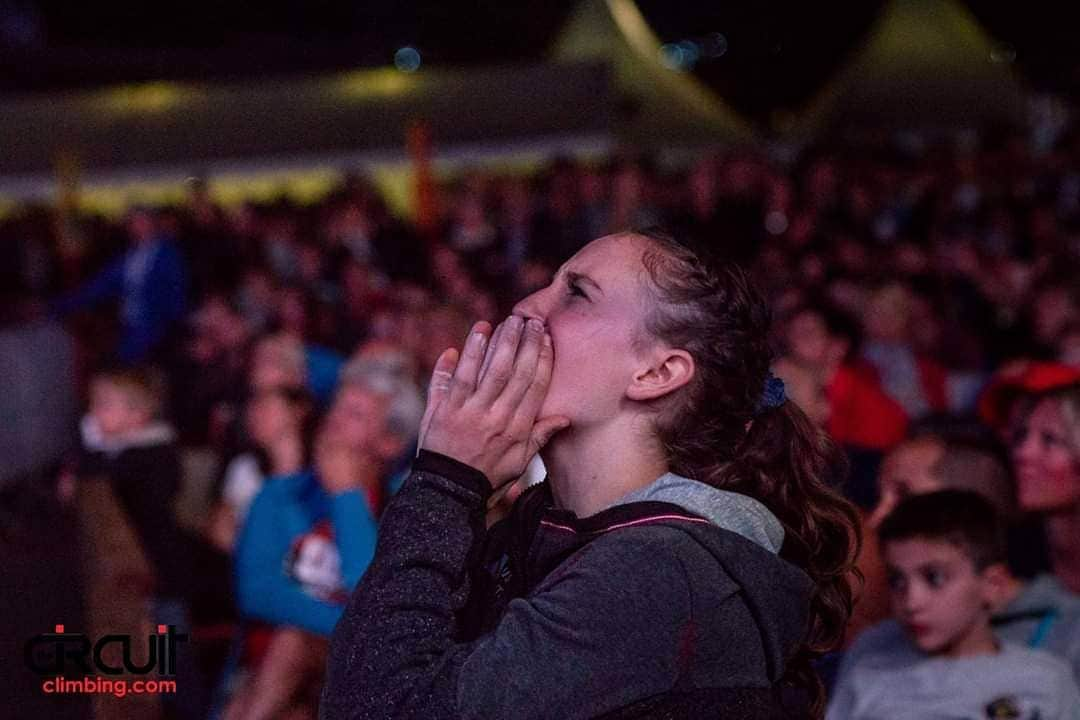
point(1047, 469)
point(808, 339)
point(593, 309)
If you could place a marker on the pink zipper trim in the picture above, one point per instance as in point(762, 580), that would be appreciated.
point(630, 523)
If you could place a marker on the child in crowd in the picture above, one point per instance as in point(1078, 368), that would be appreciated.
point(125, 441)
point(945, 557)
point(1036, 611)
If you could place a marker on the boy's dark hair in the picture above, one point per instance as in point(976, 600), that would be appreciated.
point(959, 517)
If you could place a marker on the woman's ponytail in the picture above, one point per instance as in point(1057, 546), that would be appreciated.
point(731, 428)
point(792, 466)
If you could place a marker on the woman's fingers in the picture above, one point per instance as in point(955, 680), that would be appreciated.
point(463, 384)
point(502, 362)
point(438, 389)
point(495, 336)
point(525, 364)
point(528, 405)
point(544, 430)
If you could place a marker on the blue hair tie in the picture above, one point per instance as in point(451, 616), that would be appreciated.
point(773, 396)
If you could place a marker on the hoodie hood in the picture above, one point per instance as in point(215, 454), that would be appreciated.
point(776, 592)
point(737, 540)
point(741, 514)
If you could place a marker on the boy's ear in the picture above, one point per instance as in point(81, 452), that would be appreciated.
point(995, 581)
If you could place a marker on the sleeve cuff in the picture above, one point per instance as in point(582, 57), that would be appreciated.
point(465, 475)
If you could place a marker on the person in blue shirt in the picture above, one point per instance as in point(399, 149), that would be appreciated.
point(150, 281)
point(309, 537)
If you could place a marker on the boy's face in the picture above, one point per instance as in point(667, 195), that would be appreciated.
point(115, 410)
point(939, 597)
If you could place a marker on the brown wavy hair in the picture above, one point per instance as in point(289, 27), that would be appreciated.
point(713, 430)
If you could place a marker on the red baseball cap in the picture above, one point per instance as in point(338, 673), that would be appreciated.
point(1027, 377)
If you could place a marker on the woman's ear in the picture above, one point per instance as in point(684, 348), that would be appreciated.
point(671, 370)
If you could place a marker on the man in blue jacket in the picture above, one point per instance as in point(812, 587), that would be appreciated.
point(150, 281)
point(310, 536)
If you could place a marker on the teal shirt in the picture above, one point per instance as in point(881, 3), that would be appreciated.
point(301, 552)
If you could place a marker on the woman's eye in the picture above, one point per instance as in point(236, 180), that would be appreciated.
point(577, 291)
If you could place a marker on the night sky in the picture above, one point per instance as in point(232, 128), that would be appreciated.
point(776, 54)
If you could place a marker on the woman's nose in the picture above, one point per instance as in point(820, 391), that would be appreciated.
point(531, 307)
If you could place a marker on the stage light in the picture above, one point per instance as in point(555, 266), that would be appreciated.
point(407, 59)
point(673, 56)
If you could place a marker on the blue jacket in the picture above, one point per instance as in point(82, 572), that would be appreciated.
point(151, 302)
point(301, 552)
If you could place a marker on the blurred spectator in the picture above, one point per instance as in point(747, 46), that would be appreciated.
point(1046, 458)
point(310, 535)
point(276, 420)
point(150, 282)
point(911, 379)
point(805, 387)
point(825, 342)
point(126, 443)
point(38, 407)
point(213, 254)
point(296, 319)
point(208, 378)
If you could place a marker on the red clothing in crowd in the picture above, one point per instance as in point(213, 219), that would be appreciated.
point(932, 377)
point(861, 414)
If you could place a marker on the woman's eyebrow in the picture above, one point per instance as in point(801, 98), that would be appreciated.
point(573, 276)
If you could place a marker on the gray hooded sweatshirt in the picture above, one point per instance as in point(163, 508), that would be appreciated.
point(671, 603)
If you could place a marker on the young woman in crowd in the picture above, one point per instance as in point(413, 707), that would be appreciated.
point(685, 556)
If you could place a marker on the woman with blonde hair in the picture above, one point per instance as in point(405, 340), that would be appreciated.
point(1046, 458)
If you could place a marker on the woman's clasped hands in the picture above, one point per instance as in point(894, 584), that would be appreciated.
point(483, 402)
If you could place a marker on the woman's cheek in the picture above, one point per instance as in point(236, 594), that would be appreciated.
point(1066, 473)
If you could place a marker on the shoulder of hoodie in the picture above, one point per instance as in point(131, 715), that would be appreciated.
point(668, 551)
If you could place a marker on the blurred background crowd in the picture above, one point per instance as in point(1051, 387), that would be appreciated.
point(248, 375)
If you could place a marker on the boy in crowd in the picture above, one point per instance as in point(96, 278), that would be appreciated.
point(1038, 612)
point(944, 552)
point(126, 442)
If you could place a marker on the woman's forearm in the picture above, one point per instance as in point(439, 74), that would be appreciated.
point(393, 653)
